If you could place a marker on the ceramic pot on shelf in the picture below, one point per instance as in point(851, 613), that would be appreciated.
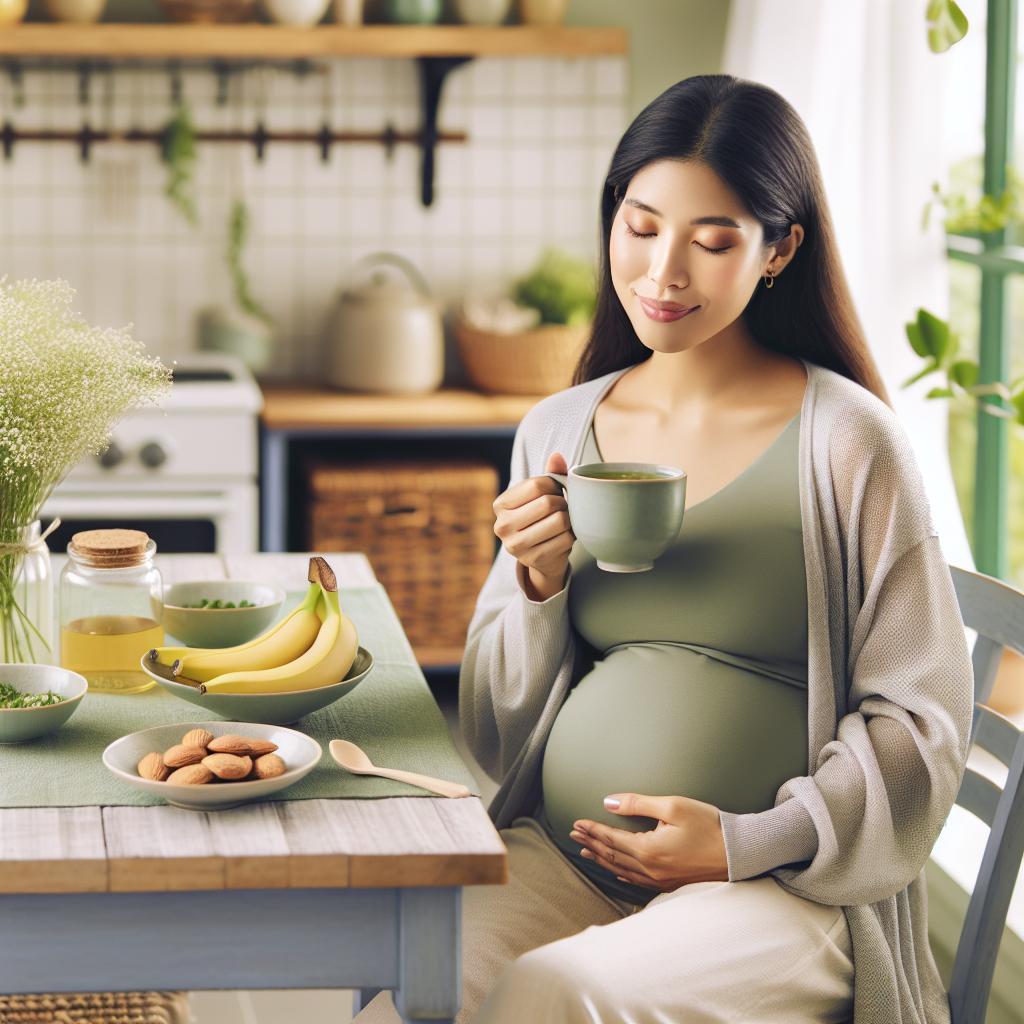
point(482, 12)
point(80, 12)
point(12, 11)
point(542, 12)
point(413, 12)
point(386, 336)
point(296, 12)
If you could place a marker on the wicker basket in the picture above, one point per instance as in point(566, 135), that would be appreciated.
point(535, 362)
point(97, 1008)
point(427, 528)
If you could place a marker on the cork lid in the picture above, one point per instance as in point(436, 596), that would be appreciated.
point(110, 549)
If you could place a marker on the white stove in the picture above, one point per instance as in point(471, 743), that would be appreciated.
point(186, 472)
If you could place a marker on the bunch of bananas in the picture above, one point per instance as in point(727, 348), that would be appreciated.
point(314, 645)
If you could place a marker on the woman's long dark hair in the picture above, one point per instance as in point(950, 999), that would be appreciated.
point(760, 148)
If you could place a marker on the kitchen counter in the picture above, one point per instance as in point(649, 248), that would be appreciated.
point(296, 405)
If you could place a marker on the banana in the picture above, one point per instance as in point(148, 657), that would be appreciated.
point(276, 647)
point(327, 661)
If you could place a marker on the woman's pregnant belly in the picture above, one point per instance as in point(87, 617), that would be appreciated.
point(667, 721)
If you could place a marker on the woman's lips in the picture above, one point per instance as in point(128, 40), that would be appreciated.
point(665, 315)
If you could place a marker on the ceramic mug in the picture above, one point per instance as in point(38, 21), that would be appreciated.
point(624, 513)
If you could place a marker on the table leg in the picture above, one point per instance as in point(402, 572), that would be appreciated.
point(429, 955)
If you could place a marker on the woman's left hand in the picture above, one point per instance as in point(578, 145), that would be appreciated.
point(686, 846)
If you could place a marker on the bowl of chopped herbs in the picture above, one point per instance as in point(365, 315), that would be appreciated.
point(36, 700)
point(219, 613)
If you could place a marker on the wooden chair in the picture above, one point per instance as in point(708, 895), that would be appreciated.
point(996, 611)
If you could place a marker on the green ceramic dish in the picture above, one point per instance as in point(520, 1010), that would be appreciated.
point(219, 627)
point(271, 708)
point(19, 724)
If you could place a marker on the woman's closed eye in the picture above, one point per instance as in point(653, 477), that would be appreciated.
point(650, 234)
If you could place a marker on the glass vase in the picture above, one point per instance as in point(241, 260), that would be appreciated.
point(26, 598)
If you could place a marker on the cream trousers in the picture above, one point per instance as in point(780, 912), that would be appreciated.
point(550, 948)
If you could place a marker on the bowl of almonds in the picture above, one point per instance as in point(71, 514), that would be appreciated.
point(208, 766)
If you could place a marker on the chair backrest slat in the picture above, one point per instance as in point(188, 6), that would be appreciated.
point(996, 611)
point(979, 795)
point(996, 734)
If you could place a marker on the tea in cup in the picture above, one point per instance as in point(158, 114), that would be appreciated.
point(624, 513)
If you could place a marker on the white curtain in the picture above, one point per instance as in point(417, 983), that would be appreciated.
point(860, 74)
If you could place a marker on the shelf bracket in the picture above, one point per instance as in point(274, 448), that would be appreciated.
point(433, 72)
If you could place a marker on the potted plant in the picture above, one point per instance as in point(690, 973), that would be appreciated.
point(243, 328)
point(530, 345)
point(63, 385)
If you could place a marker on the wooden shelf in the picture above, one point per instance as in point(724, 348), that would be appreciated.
point(282, 42)
point(298, 406)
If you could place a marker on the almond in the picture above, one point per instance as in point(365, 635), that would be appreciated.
point(228, 766)
point(268, 766)
point(152, 767)
point(261, 747)
point(191, 775)
point(229, 744)
point(197, 738)
point(179, 755)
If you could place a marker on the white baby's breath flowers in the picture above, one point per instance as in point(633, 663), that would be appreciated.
point(63, 386)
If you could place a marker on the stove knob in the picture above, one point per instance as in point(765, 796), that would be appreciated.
point(152, 454)
point(113, 456)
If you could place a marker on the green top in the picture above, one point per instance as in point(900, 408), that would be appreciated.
point(699, 686)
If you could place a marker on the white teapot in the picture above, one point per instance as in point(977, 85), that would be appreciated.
point(385, 335)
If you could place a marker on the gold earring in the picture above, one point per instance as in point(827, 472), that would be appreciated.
point(769, 281)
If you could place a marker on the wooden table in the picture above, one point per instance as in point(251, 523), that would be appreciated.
point(358, 893)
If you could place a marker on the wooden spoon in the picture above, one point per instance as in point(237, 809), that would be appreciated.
point(354, 759)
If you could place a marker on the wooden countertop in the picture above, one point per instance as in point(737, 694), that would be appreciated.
point(293, 405)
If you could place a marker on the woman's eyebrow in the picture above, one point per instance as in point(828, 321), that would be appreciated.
point(723, 222)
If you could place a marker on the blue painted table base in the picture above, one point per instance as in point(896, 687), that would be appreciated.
point(407, 940)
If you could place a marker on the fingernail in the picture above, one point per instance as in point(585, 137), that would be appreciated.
point(586, 853)
point(576, 835)
point(611, 803)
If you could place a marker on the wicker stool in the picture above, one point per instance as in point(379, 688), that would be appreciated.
point(96, 1008)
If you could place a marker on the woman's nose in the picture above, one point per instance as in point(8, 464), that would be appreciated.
point(667, 268)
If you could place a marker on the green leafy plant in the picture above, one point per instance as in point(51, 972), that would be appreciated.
point(968, 215)
point(179, 153)
point(933, 340)
point(63, 385)
point(238, 234)
point(947, 24)
point(561, 287)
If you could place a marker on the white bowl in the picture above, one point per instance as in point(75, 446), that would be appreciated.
point(296, 12)
point(18, 724)
point(300, 753)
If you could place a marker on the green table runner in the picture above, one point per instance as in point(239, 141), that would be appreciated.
point(391, 714)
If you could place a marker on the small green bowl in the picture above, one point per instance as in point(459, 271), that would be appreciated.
point(19, 724)
point(220, 627)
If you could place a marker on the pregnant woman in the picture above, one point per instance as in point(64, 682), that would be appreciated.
point(720, 778)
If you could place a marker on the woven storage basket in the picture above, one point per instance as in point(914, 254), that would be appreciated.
point(535, 362)
point(427, 528)
point(96, 1008)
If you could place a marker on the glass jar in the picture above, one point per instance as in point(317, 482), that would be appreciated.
point(26, 598)
point(111, 609)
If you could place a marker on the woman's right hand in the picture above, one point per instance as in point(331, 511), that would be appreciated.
point(533, 526)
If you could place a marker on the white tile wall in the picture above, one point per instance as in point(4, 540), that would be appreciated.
point(541, 132)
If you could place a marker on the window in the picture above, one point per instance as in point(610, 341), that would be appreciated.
point(987, 278)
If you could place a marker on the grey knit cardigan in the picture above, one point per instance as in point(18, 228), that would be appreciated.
point(890, 686)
